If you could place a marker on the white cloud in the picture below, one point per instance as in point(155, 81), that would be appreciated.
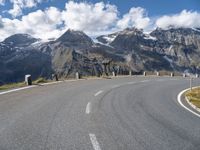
point(89, 17)
point(184, 19)
point(1, 22)
point(2, 2)
point(137, 17)
point(41, 24)
point(93, 19)
point(19, 5)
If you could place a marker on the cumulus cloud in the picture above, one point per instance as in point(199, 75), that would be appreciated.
point(2, 2)
point(93, 19)
point(183, 19)
point(19, 5)
point(1, 22)
point(136, 17)
point(89, 17)
point(41, 24)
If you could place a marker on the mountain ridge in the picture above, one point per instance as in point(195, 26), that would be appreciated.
point(174, 49)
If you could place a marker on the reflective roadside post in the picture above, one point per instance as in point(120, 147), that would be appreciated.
point(113, 73)
point(130, 73)
point(54, 77)
point(77, 76)
point(172, 74)
point(190, 83)
point(28, 79)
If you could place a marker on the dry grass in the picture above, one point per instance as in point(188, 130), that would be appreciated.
point(40, 80)
point(22, 84)
point(12, 85)
point(194, 96)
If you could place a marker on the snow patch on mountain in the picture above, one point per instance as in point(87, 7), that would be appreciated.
point(98, 42)
point(110, 38)
point(149, 37)
point(170, 61)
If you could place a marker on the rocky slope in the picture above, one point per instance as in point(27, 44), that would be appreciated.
point(171, 50)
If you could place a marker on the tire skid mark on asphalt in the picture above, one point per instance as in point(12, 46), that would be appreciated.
point(145, 81)
point(131, 83)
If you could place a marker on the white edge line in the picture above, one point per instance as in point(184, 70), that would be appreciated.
point(192, 105)
point(88, 108)
point(51, 83)
point(23, 88)
point(94, 141)
point(180, 102)
point(19, 89)
point(98, 93)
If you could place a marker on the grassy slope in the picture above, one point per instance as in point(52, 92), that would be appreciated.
point(194, 96)
point(22, 84)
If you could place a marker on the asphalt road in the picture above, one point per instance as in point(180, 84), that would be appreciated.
point(132, 113)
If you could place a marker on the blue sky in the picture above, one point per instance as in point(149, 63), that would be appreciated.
point(98, 17)
point(154, 7)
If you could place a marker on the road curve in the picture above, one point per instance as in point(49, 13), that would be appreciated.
point(123, 113)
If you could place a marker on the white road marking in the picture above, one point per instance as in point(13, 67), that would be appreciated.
point(19, 89)
point(94, 141)
point(88, 108)
point(98, 93)
point(51, 83)
point(180, 102)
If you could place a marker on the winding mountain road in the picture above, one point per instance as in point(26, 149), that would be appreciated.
point(129, 113)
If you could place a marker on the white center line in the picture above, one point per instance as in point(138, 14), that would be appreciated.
point(94, 141)
point(98, 93)
point(88, 108)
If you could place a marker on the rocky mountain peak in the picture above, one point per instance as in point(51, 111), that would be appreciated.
point(20, 40)
point(132, 31)
point(74, 36)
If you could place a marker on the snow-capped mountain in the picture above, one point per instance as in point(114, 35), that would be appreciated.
point(174, 49)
